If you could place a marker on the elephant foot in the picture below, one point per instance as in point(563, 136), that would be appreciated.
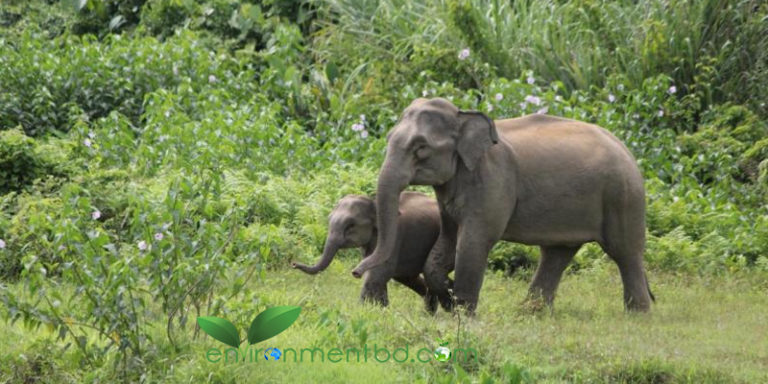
point(535, 303)
point(637, 306)
point(430, 303)
point(378, 300)
point(375, 296)
point(465, 307)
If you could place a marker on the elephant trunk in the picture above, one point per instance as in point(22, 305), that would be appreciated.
point(392, 180)
point(332, 246)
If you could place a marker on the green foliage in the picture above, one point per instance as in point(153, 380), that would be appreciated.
point(580, 43)
point(727, 145)
point(43, 95)
point(104, 16)
point(19, 162)
point(162, 17)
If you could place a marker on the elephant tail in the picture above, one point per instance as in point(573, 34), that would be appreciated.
point(648, 285)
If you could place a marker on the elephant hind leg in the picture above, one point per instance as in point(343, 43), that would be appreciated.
point(554, 260)
point(624, 242)
point(637, 292)
point(438, 288)
point(431, 299)
point(438, 265)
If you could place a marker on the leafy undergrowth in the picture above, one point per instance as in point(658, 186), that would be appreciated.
point(700, 330)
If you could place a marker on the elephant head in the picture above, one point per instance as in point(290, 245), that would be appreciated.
point(351, 224)
point(429, 143)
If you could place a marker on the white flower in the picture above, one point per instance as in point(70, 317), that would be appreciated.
point(542, 111)
point(530, 80)
point(620, 87)
point(611, 98)
point(142, 245)
point(158, 236)
point(2, 244)
point(499, 97)
point(523, 105)
point(558, 98)
point(96, 214)
point(464, 54)
point(362, 118)
point(87, 143)
point(672, 90)
point(211, 79)
point(91, 135)
point(357, 127)
point(535, 100)
point(661, 113)
point(424, 93)
point(489, 107)
point(364, 134)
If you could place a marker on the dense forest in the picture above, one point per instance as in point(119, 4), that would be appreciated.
point(162, 160)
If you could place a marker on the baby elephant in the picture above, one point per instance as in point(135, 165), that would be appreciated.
point(352, 223)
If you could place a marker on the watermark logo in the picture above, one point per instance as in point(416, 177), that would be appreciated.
point(275, 320)
point(264, 326)
point(442, 353)
point(272, 354)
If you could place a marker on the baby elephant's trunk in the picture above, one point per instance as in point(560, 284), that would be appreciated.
point(331, 248)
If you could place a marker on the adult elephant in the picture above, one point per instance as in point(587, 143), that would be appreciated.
point(537, 180)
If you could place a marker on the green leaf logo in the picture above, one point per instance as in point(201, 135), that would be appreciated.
point(271, 322)
point(220, 329)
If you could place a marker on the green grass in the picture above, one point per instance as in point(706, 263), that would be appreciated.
point(701, 329)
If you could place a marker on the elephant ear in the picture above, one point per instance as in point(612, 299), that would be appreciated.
point(376, 212)
point(477, 133)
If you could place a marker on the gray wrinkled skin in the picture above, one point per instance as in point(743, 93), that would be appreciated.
point(352, 224)
point(537, 180)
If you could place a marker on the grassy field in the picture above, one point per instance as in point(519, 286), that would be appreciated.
point(701, 330)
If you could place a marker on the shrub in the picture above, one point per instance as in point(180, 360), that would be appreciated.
point(43, 94)
point(19, 162)
point(100, 17)
point(163, 17)
point(723, 145)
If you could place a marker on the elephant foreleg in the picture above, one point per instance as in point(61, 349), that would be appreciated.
point(553, 262)
point(439, 264)
point(471, 262)
point(375, 286)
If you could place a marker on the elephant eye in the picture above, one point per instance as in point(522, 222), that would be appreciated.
point(422, 152)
